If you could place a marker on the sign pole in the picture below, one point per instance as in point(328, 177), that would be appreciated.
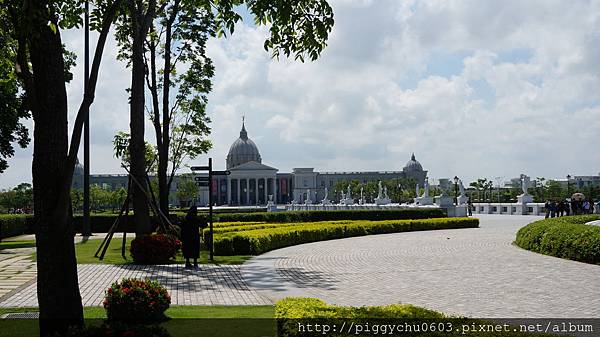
point(210, 208)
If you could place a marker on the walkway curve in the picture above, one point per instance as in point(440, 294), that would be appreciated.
point(473, 272)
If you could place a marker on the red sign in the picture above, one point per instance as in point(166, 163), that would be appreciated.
point(283, 184)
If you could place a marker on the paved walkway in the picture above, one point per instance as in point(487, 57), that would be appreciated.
point(210, 285)
point(474, 272)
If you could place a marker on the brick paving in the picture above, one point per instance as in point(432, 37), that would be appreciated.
point(209, 285)
point(473, 272)
point(16, 271)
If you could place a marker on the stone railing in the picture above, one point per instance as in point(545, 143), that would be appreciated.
point(509, 208)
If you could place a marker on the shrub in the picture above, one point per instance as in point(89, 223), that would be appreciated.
point(293, 312)
point(564, 237)
point(154, 249)
point(308, 216)
point(136, 301)
point(253, 242)
point(15, 224)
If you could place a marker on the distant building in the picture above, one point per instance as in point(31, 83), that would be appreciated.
point(251, 182)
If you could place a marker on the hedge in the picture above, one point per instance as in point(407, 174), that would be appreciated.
point(254, 242)
point(308, 216)
point(15, 224)
point(564, 237)
point(293, 312)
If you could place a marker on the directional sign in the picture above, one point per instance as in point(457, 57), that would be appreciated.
point(201, 178)
point(221, 173)
point(202, 183)
point(200, 168)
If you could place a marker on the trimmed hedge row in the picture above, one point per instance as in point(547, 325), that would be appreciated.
point(308, 216)
point(15, 224)
point(254, 242)
point(293, 312)
point(564, 237)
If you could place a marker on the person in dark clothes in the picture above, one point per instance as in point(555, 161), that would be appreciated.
point(190, 237)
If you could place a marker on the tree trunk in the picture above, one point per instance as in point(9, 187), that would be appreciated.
point(57, 282)
point(137, 150)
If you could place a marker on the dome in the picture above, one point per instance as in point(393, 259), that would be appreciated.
point(78, 168)
point(243, 150)
point(413, 165)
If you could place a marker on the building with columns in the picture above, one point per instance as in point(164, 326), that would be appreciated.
point(251, 182)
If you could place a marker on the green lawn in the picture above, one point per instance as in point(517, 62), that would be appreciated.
point(183, 321)
point(17, 244)
point(85, 254)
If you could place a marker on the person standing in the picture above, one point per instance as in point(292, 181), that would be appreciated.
point(190, 237)
point(547, 208)
point(470, 207)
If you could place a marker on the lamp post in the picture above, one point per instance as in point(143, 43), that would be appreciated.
point(455, 190)
point(569, 185)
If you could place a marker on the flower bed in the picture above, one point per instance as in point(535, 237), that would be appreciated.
point(154, 249)
point(136, 301)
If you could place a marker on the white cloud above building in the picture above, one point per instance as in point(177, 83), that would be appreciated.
point(474, 88)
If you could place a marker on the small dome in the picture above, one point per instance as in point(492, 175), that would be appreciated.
point(413, 165)
point(78, 168)
point(243, 150)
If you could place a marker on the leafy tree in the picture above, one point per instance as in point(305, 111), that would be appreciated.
point(76, 199)
point(187, 190)
point(18, 198)
point(121, 151)
point(117, 198)
point(555, 190)
point(12, 105)
point(176, 59)
point(297, 27)
point(32, 31)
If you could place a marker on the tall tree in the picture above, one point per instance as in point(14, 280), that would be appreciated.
point(297, 27)
point(177, 41)
point(33, 29)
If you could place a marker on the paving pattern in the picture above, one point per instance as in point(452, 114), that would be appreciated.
point(475, 272)
point(209, 285)
point(16, 271)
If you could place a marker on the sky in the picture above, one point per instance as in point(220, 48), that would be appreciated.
point(474, 88)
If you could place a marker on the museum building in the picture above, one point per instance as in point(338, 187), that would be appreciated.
point(250, 182)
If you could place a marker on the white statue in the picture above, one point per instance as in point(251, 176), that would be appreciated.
point(362, 200)
point(326, 194)
point(385, 195)
point(417, 190)
point(348, 195)
point(379, 190)
point(525, 184)
point(425, 188)
point(308, 200)
point(325, 200)
point(461, 187)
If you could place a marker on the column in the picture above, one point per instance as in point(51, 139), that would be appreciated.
point(228, 191)
point(266, 189)
point(256, 191)
point(238, 191)
point(247, 191)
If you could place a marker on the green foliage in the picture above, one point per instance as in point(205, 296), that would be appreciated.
point(292, 311)
point(154, 249)
point(307, 216)
point(15, 224)
point(121, 151)
point(258, 241)
point(136, 301)
point(19, 197)
point(564, 237)
point(187, 189)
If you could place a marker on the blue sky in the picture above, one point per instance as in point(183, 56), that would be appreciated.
point(474, 88)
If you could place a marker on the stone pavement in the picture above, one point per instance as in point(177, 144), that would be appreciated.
point(16, 270)
point(209, 285)
point(473, 272)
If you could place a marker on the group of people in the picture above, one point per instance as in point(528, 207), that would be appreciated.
point(568, 207)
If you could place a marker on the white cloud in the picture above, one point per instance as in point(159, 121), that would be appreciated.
point(474, 88)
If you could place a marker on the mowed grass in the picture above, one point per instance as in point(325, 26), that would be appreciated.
point(85, 252)
point(16, 244)
point(183, 321)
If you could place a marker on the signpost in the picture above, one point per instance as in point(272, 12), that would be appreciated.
point(207, 181)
